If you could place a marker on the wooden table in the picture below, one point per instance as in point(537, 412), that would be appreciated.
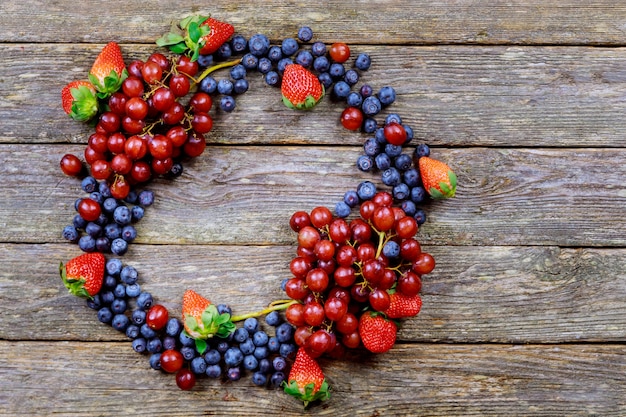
point(524, 314)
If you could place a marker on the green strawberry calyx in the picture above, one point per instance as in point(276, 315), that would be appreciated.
point(76, 286)
point(187, 37)
point(308, 394)
point(84, 104)
point(447, 191)
point(309, 102)
point(110, 84)
point(211, 323)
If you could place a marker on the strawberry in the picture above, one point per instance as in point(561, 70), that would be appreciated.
point(300, 88)
point(438, 179)
point(403, 306)
point(378, 334)
point(220, 32)
point(306, 380)
point(202, 320)
point(83, 275)
point(108, 70)
point(79, 100)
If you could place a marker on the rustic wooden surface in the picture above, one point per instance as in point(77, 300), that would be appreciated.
point(524, 314)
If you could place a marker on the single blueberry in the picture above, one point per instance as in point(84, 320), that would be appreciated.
point(275, 53)
point(391, 249)
point(227, 103)
point(109, 282)
point(144, 301)
point(305, 34)
point(366, 90)
point(95, 303)
point(259, 379)
point(258, 44)
point(173, 327)
point(154, 345)
point(401, 192)
point(273, 345)
point(420, 216)
point(146, 331)
point(169, 342)
point(208, 85)
point(241, 335)
point(129, 274)
point(139, 345)
point(363, 62)
point(251, 324)
point(188, 352)
point(408, 207)
point(92, 229)
point(250, 363)
point(213, 371)
point(351, 77)
point(79, 222)
point(119, 305)
point(138, 317)
point(241, 86)
point(233, 356)
point(87, 243)
point(109, 205)
point(403, 162)
point(89, 184)
point(280, 66)
point(261, 352)
point(224, 51)
point(336, 70)
point(71, 234)
point(205, 60)
point(131, 197)
point(366, 190)
point(234, 373)
point(279, 363)
point(354, 99)
point(129, 233)
point(247, 347)
point(272, 78)
point(104, 189)
point(145, 198)
point(265, 65)
point(304, 58)
point(119, 290)
point(198, 365)
point(391, 176)
point(371, 106)
point(155, 361)
point(273, 319)
point(185, 339)
point(105, 315)
point(289, 46)
point(132, 331)
point(318, 48)
point(321, 64)
point(122, 215)
point(212, 357)
point(277, 379)
point(238, 44)
point(341, 89)
point(393, 150)
point(418, 194)
point(112, 231)
point(260, 338)
point(107, 297)
point(351, 198)
point(137, 213)
point(284, 332)
point(411, 177)
point(421, 150)
point(365, 163)
point(225, 86)
point(393, 117)
point(387, 95)
point(265, 365)
point(288, 350)
point(371, 147)
point(97, 197)
point(325, 79)
point(409, 133)
point(342, 210)
point(249, 62)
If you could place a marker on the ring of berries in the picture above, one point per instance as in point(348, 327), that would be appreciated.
point(353, 276)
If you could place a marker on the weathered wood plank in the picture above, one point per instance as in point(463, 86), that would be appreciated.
point(89, 379)
point(450, 95)
point(230, 194)
point(476, 294)
point(402, 22)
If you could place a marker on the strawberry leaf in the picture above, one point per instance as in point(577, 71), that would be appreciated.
point(307, 394)
point(201, 346)
point(194, 32)
point(169, 39)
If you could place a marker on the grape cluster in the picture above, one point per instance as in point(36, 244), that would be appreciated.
point(122, 304)
point(343, 268)
point(104, 223)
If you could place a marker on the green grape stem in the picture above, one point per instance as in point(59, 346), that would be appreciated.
point(274, 306)
point(209, 70)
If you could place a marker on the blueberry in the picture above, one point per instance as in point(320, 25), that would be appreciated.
point(145, 198)
point(280, 66)
point(325, 79)
point(132, 331)
point(224, 51)
point(371, 147)
point(155, 361)
point(227, 103)
point(131, 197)
point(105, 315)
point(95, 303)
point(273, 345)
point(173, 327)
point(138, 317)
point(366, 90)
point(185, 339)
point(234, 373)
point(79, 222)
point(137, 213)
point(403, 162)
point(287, 350)
point(277, 379)
point(251, 324)
point(365, 163)
point(420, 216)
point(139, 345)
point(107, 297)
point(366, 190)
point(205, 60)
point(341, 89)
point(119, 291)
point(265, 365)
point(354, 99)
point(321, 64)
point(208, 85)
point(304, 58)
point(154, 345)
point(391, 249)
point(238, 44)
point(146, 331)
point(273, 319)
point(408, 207)
point(258, 44)
point(109, 205)
point(411, 177)
point(371, 106)
point(241, 335)
point(198, 365)
point(129, 233)
point(225, 86)
point(305, 34)
point(409, 133)
point(363, 62)
point(114, 266)
point(129, 274)
point(351, 198)
point(250, 363)
point(89, 184)
point(249, 62)
point(118, 306)
point(418, 194)
point(393, 150)
point(275, 53)
point(272, 78)
point(97, 197)
point(233, 356)
point(241, 86)
point(279, 363)
point(92, 229)
point(175, 171)
point(222, 347)
point(351, 77)
point(169, 342)
point(260, 338)
point(379, 134)
point(87, 243)
point(259, 379)
point(318, 49)
point(109, 282)
point(188, 352)
point(112, 231)
point(284, 332)
point(261, 352)
point(387, 95)
point(70, 233)
point(265, 65)
point(144, 301)
point(102, 220)
point(247, 347)
point(104, 189)
point(393, 117)
point(422, 150)
point(224, 308)
point(342, 210)
point(212, 357)
point(391, 176)
point(122, 215)
point(401, 192)
point(289, 46)
point(336, 70)
point(213, 371)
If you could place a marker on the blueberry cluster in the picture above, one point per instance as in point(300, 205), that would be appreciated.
point(258, 54)
point(113, 229)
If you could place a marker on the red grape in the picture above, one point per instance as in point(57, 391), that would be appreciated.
point(71, 165)
point(171, 360)
point(157, 316)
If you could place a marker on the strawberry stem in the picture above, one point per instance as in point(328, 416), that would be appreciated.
point(273, 306)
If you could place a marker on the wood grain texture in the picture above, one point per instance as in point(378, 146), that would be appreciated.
point(504, 294)
point(417, 379)
point(388, 21)
point(450, 96)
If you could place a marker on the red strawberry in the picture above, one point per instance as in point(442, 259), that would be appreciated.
point(201, 318)
point(403, 306)
point(377, 333)
point(438, 179)
point(306, 380)
point(300, 88)
point(220, 32)
point(84, 274)
point(108, 70)
point(79, 100)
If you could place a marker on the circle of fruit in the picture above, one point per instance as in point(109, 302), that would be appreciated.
point(354, 275)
